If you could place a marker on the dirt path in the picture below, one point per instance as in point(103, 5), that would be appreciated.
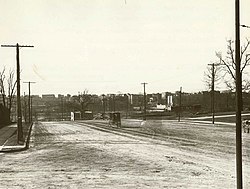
point(63, 155)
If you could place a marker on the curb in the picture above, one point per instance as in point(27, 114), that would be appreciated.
point(24, 147)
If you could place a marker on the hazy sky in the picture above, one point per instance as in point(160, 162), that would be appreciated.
point(107, 46)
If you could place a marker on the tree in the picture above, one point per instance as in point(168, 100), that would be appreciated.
point(80, 102)
point(11, 88)
point(2, 86)
point(85, 100)
point(10, 84)
point(229, 65)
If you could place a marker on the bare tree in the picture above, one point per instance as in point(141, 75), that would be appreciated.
point(85, 99)
point(80, 102)
point(2, 86)
point(11, 88)
point(229, 65)
point(8, 84)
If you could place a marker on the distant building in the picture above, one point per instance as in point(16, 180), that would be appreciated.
point(48, 97)
point(60, 96)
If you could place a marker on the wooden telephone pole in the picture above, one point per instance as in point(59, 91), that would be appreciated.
point(19, 113)
point(144, 100)
point(103, 103)
point(238, 97)
point(29, 101)
point(179, 117)
point(212, 90)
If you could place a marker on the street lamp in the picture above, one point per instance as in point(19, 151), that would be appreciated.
point(245, 26)
point(238, 96)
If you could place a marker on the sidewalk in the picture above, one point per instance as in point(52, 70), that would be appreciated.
point(8, 138)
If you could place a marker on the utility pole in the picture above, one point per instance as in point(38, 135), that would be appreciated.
point(25, 108)
point(238, 97)
point(31, 109)
point(103, 103)
point(113, 102)
point(179, 118)
point(127, 105)
point(62, 107)
point(212, 90)
point(212, 101)
point(29, 101)
point(19, 113)
point(144, 100)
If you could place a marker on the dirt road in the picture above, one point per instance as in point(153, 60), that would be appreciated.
point(66, 155)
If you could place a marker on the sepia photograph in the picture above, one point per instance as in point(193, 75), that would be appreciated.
point(125, 94)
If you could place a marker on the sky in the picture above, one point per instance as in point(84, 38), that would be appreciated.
point(112, 46)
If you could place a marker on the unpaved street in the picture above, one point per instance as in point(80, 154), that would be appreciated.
point(73, 155)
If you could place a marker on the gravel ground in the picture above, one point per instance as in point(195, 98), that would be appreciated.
point(72, 155)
